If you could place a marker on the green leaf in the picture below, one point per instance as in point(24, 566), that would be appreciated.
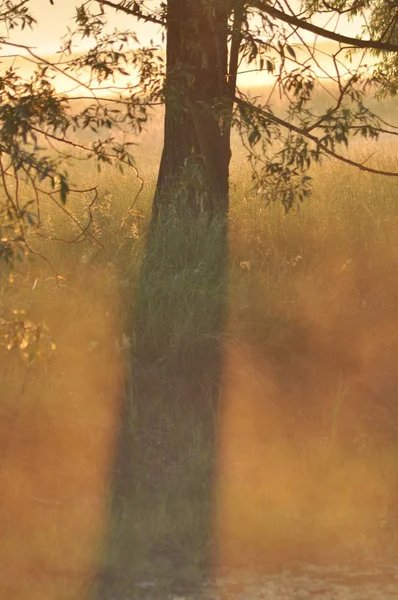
point(291, 51)
point(64, 189)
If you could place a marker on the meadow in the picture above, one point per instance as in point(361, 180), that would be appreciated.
point(293, 325)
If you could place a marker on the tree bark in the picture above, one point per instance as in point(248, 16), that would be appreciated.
point(194, 169)
point(177, 384)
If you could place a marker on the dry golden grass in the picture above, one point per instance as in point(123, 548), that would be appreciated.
point(306, 440)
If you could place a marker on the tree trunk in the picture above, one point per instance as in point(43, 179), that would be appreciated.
point(179, 315)
point(194, 169)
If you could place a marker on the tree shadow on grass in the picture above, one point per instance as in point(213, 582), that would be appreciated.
point(159, 526)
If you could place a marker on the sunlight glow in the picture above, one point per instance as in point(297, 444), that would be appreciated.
point(300, 474)
point(57, 453)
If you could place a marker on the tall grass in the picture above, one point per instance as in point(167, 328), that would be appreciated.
point(304, 457)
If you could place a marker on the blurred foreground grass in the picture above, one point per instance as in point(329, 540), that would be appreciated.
point(299, 457)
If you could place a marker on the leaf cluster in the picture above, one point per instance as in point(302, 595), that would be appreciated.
point(41, 127)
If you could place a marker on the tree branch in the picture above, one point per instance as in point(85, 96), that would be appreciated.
point(236, 38)
point(12, 10)
point(264, 7)
point(135, 12)
point(313, 138)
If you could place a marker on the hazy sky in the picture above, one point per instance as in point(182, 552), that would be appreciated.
point(53, 22)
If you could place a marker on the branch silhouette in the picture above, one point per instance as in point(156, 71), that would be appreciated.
point(265, 7)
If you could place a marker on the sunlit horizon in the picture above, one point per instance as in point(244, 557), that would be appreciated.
point(54, 21)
